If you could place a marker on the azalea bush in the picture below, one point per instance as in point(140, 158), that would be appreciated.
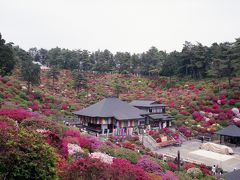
point(185, 130)
point(148, 165)
point(41, 122)
point(128, 154)
point(188, 166)
point(55, 141)
point(195, 172)
point(17, 114)
point(107, 149)
point(85, 168)
point(172, 166)
point(169, 175)
point(102, 157)
point(7, 123)
point(124, 170)
point(24, 155)
point(72, 133)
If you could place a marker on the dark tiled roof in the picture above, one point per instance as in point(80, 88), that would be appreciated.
point(234, 175)
point(146, 103)
point(231, 130)
point(112, 107)
point(163, 117)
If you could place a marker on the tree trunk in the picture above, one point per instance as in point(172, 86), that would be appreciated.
point(28, 87)
point(53, 83)
point(219, 82)
point(229, 81)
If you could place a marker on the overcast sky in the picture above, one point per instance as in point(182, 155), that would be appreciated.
point(118, 25)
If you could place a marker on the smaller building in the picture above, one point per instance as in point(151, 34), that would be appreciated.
point(230, 134)
point(149, 106)
point(156, 117)
point(234, 175)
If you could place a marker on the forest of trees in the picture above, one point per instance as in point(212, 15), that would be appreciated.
point(193, 61)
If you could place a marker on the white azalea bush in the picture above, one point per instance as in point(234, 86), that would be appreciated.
point(74, 149)
point(102, 157)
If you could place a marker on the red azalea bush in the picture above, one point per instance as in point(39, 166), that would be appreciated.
point(89, 168)
point(122, 169)
point(55, 141)
point(65, 106)
point(188, 166)
point(7, 123)
point(197, 116)
point(222, 116)
point(172, 166)
point(72, 133)
point(232, 101)
point(129, 145)
point(185, 131)
point(205, 170)
point(17, 114)
point(86, 168)
point(4, 125)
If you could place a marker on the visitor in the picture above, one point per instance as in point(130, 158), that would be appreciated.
point(202, 139)
point(164, 158)
point(214, 169)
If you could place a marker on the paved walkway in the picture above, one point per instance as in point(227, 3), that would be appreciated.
point(189, 151)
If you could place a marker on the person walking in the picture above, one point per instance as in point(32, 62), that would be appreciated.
point(214, 169)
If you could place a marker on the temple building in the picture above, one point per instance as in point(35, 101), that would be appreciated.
point(111, 115)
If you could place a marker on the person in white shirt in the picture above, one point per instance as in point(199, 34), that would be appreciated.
point(214, 169)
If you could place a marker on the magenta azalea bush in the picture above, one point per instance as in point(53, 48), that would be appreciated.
point(17, 114)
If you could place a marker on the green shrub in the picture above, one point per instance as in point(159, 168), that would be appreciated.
point(24, 155)
point(17, 98)
point(182, 175)
point(10, 90)
point(22, 95)
point(223, 123)
point(72, 107)
point(173, 112)
point(237, 104)
point(107, 149)
point(128, 154)
point(163, 164)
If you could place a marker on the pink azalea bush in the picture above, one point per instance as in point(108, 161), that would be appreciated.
point(149, 165)
point(169, 175)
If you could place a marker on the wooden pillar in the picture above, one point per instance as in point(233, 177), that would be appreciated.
point(220, 139)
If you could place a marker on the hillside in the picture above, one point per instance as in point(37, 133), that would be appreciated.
point(183, 98)
point(198, 107)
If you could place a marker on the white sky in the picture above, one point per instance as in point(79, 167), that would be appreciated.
point(118, 25)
